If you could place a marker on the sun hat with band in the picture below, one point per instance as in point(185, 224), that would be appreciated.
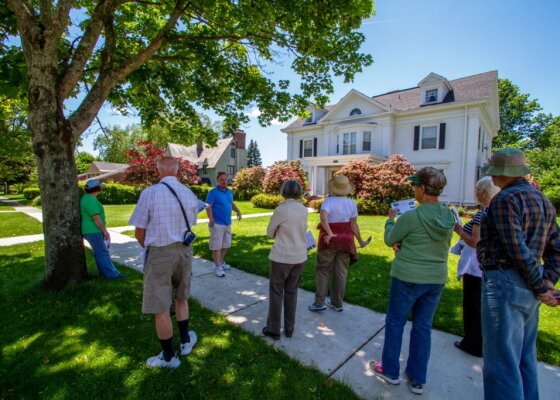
point(340, 185)
point(507, 162)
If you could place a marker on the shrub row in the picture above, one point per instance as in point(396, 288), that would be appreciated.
point(243, 195)
point(266, 200)
point(30, 193)
point(116, 193)
point(369, 206)
point(200, 191)
point(553, 194)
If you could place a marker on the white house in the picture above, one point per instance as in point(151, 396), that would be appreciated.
point(447, 124)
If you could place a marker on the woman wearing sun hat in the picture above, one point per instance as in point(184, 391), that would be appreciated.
point(421, 238)
point(95, 231)
point(336, 250)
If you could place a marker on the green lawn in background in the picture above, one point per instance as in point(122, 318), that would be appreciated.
point(6, 207)
point(246, 208)
point(369, 279)
point(18, 197)
point(90, 341)
point(18, 224)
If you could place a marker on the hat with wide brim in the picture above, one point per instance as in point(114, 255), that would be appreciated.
point(507, 162)
point(340, 185)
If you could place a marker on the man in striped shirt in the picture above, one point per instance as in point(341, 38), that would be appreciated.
point(520, 229)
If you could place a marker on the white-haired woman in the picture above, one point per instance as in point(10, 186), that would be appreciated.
point(469, 270)
point(288, 255)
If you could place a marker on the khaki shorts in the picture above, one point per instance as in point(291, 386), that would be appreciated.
point(168, 270)
point(220, 237)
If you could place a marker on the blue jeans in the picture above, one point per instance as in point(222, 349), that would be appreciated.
point(422, 299)
point(510, 319)
point(105, 266)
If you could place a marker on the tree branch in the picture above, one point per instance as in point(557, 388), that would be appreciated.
point(107, 79)
point(25, 19)
point(81, 56)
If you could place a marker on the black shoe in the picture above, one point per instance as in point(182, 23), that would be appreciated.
point(274, 336)
point(459, 345)
point(289, 334)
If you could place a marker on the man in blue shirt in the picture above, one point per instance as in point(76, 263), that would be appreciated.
point(220, 204)
point(520, 229)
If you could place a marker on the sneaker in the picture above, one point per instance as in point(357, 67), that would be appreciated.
point(159, 362)
point(331, 305)
point(186, 348)
point(220, 272)
point(225, 266)
point(375, 368)
point(317, 307)
point(414, 387)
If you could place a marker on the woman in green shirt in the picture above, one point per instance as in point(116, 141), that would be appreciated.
point(94, 230)
point(421, 239)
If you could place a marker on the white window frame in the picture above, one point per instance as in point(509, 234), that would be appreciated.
point(429, 93)
point(305, 149)
point(434, 128)
point(349, 143)
point(364, 134)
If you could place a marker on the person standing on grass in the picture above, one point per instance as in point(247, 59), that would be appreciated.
point(288, 255)
point(519, 230)
point(94, 229)
point(468, 269)
point(160, 227)
point(336, 249)
point(220, 205)
point(421, 239)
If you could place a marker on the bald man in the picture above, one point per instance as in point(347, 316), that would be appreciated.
point(160, 228)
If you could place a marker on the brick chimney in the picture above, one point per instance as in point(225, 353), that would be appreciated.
point(239, 137)
point(199, 148)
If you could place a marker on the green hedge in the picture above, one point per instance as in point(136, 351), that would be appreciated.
point(200, 191)
point(243, 195)
point(31, 193)
point(372, 207)
point(116, 193)
point(266, 200)
point(553, 194)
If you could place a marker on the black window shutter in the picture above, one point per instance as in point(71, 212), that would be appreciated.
point(416, 137)
point(442, 135)
point(301, 149)
point(314, 147)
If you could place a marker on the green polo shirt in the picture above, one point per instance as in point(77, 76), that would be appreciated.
point(90, 206)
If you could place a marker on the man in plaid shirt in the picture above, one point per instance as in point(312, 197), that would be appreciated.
point(519, 230)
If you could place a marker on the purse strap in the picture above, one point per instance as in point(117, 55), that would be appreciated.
point(181, 205)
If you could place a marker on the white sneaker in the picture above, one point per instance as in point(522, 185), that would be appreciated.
point(186, 348)
point(225, 266)
point(220, 272)
point(159, 362)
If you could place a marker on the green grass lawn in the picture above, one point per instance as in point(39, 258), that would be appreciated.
point(90, 341)
point(19, 198)
point(369, 279)
point(18, 224)
point(6, 207)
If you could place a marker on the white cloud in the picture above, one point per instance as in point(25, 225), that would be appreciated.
point(254, 113)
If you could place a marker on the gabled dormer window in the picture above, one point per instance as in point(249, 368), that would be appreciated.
point(355, 111)
point(431, 96)
point(309, 119)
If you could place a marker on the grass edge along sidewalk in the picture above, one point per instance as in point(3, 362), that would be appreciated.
point(92, 341)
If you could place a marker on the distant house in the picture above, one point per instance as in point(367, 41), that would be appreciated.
point(229, 156)
point(447, 124)
point(104, 171)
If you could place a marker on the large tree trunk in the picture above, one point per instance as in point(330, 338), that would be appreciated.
point(53, 145)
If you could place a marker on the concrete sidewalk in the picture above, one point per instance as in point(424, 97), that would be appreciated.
point(338, 344)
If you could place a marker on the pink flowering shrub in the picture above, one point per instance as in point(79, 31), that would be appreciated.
point(142, 170)
point(384, 182)
point(281, 171)
point(248, 182)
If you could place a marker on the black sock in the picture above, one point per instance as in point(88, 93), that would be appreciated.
point(184, 331)
point(167, 346)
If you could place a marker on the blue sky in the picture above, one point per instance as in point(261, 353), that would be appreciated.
point(408, 39)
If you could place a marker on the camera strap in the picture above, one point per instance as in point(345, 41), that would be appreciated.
point(180, 205)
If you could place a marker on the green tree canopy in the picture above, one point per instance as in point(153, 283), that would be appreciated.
point(521, 122)
point(165, 59)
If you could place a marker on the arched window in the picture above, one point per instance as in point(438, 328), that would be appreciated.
point(355, 111)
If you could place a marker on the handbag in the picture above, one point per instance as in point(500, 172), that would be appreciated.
point(188, 236)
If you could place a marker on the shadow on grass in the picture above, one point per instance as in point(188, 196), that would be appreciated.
point(91, 341)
